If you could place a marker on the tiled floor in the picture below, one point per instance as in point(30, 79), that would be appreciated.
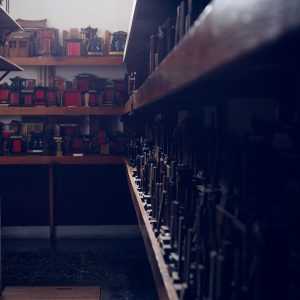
point(119, 266)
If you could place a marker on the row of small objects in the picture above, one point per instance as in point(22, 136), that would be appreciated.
point(88, 91)
point(38, 39)
point(38, 143)
point(47, 96)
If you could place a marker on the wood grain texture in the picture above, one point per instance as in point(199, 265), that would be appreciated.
point(128, 106)
point(163, 281)
point(225, 32)
point(64, 160)
point(68, 61)
point(61, 111)
point(51, 293)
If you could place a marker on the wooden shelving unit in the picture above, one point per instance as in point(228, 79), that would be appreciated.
point(163, 281)
point(61, 111)
point(63, 160)
point(229, 41)
point(226, 32)
point(68, 61)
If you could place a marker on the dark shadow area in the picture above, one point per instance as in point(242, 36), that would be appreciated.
point(119, 266)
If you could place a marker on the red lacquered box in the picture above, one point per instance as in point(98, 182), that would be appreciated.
point(72, 98)
point(4, 95)
point(40, 96)
point(14, 98)
point(73, 47)
point(27, 98)
point(92, 98)
point(51, 97)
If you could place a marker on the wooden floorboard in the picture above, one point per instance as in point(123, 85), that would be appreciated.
point(51, 293)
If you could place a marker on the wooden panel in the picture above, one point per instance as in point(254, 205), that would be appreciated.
point(143, 29)
point(60, 111)
point(25, 195)
point(92, 195)
point(226, 32)
point(145, 18)
point(163, 281)
point(68, 61)
point(128, 106)
point(51, 292)
point(64, 160)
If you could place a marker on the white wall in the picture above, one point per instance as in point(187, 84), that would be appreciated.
point(110, 15)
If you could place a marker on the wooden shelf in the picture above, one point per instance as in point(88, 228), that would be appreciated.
point(128, 106)
point(68, 61)
point(6, 65)
point(6, 22)
point(64, 160)
point(61, 111)
point(226, 32)
point(163, 281)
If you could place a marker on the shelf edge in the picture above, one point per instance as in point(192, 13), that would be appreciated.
point(62, 111)
point(63, 160)
point(164, 284)
point(68, 61)
point(224, 33)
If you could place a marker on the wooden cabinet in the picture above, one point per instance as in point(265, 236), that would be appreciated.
point(233, 74)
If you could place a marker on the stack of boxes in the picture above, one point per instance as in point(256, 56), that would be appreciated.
point(38, 40)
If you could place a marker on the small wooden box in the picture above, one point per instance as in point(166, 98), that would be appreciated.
point(17, 44)
point(118, 40)
point(14, 98)
point(27, 98)
point(4, 94)
point(51, 97)
point(73, 47)
point(109, 96)
point(40, 95)
point(72, 98)
point(47, 41)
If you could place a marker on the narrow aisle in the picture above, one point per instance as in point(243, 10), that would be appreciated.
point(119, 266)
